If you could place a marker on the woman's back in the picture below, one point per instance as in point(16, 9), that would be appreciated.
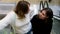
point(20, 25)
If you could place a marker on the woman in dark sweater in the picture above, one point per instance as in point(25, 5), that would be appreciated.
point(42, 22)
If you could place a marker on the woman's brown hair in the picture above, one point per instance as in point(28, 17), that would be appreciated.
point(22, 8)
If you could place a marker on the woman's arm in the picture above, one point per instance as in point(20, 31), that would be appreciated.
point(6, 20)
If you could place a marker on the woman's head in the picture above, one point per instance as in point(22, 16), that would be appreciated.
point(46, 13)
point(22, 8)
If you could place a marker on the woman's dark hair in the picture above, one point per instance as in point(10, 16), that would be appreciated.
point(49, 12)
point(22, 8)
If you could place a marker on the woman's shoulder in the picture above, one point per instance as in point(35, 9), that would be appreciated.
point(35, 16)
point(50, 21)
point(11, 12)
point(11, 15)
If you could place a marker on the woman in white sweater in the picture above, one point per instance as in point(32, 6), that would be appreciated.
point(19, 19)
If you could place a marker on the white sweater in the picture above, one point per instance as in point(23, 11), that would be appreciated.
point(21, 26)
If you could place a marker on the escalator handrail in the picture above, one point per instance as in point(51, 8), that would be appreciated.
point(41, 4)
point(46, 3)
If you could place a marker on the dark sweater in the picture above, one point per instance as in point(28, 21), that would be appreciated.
point(39, 26)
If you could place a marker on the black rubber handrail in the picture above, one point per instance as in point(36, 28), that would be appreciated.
point(41, 5)
point(46, 4)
